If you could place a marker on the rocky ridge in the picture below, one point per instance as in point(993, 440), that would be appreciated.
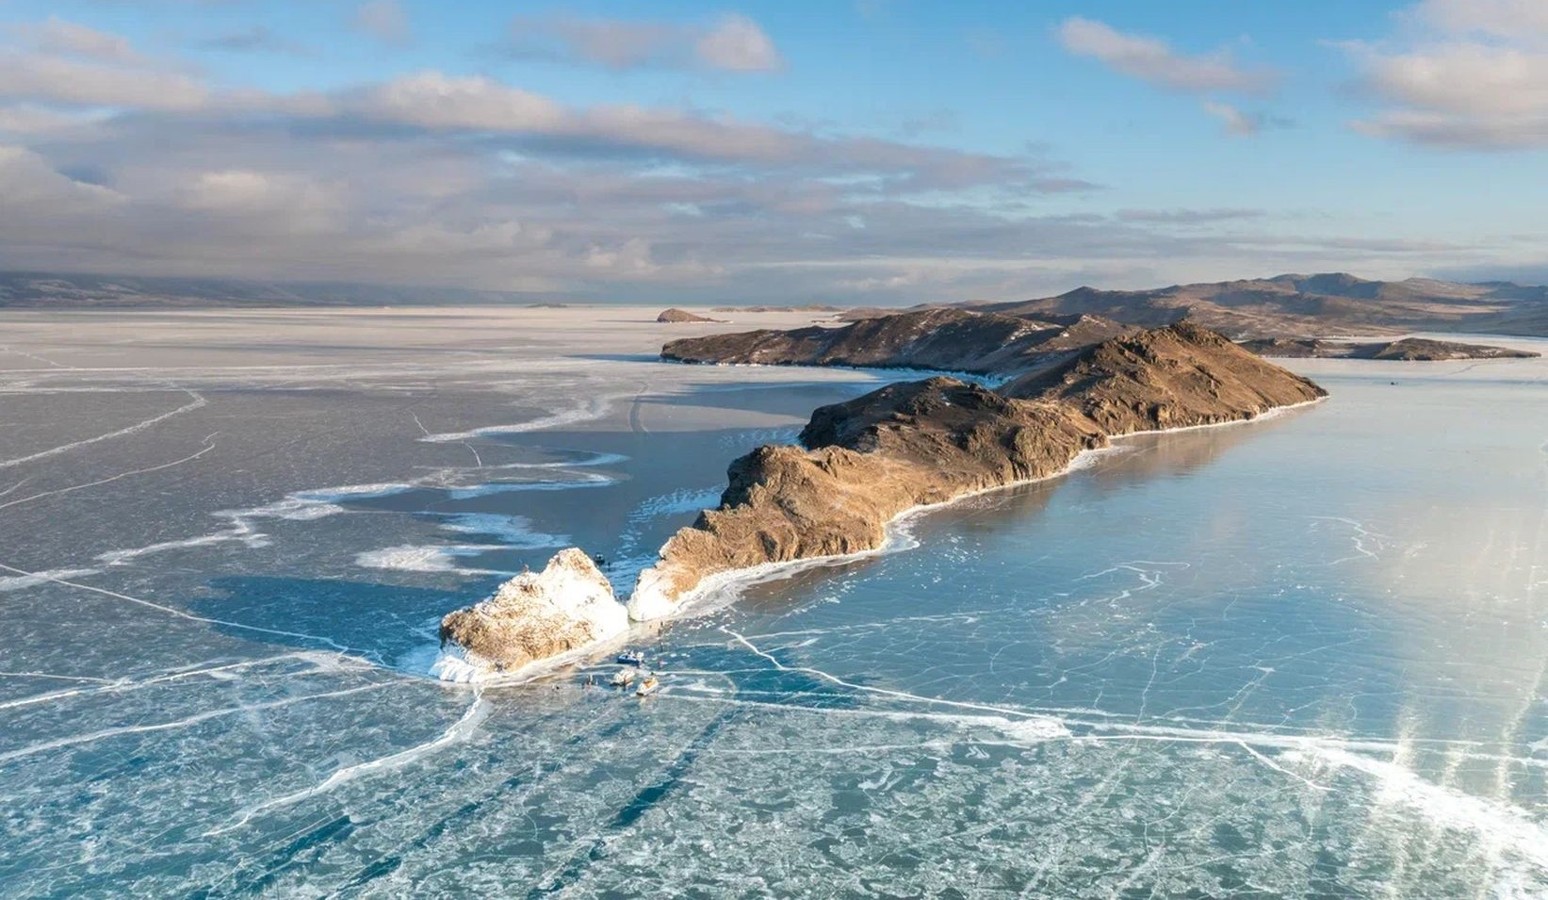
point(864, 462)
point(942, 339)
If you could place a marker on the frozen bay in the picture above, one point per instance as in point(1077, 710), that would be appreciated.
point(1301, 657)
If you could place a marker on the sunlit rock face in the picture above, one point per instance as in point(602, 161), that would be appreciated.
point(535, 616)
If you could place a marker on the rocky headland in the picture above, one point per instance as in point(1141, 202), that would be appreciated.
point(864, 462)
point(860, 464)
point(1404, 350)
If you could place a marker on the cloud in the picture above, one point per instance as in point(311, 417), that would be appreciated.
point(61, 79)
point(28, 182)
point(69, 64)
point(1237, 123)
point(55, 35)
point(1189, 216)
point(438, 101)
point(133, 166)
point(432, 101)
point(737, 44)
point(385, 20)
point(1155, 62)
point(254, 39)
point(1512, 19)
point(30, 119)
point(733, 43)
point(1469, 75)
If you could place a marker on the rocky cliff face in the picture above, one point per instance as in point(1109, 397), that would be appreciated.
point(906, 445)
point(534, 616)
point(943, 339)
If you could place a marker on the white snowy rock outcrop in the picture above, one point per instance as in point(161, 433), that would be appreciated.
point(567, 607)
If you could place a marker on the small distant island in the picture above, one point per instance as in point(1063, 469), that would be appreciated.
point(1404, 350)
point(675, 316)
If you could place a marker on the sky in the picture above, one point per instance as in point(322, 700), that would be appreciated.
point(849, 151)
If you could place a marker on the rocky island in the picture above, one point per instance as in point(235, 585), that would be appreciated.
point(675, 316)
point(862, 463)
point(1404, 350)
point(535, 616)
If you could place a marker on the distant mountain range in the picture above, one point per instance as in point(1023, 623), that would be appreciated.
point(1309, 305)
point(51, 290)
point(1283, 306)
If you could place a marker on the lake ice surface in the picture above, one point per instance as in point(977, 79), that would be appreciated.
point(1304, 657)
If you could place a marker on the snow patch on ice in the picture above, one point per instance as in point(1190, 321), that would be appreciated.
point(456, 664)
point(584, 412)
point(18, 582)
point(424, 558)
point(511, 531)
point(585, 480)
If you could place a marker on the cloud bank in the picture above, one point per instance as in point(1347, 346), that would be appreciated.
point(116, 163)
point(732, 43)
point(1463, 74)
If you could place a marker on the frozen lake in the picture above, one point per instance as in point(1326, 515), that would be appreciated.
point(1305, 657)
